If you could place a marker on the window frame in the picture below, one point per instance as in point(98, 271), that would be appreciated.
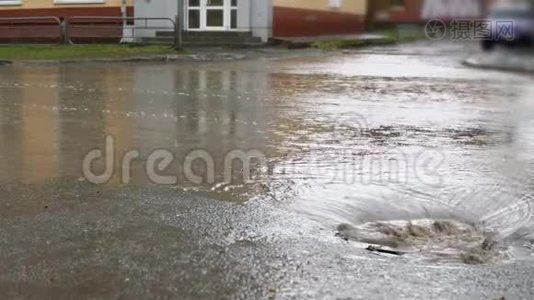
point(10, 2)
point(79, 1)
point(335, 4)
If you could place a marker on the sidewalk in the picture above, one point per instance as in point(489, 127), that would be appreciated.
point(504, 60)
point(341, 41)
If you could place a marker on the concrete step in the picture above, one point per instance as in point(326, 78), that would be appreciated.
point(228, 43)
point(215, 34)
point(208, 34)
point(213, 38)
point(222, 39)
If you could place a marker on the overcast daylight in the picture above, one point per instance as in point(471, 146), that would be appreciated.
point(267, 149)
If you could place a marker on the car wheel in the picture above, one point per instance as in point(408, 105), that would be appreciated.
point(488, 45)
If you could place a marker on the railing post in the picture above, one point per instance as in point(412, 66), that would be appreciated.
point(178, 43)
point(65, 31)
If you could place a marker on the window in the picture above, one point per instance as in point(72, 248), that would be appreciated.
point(78, 1)
point(233, 14)
point(193, 14)
point(9, 2)
point(397, 3)
point(334, 3)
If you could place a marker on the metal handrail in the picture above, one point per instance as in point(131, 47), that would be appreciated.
point(11, 21)
point(66, 25)
point(31, 18)
point(72, 22)
point(120, 18)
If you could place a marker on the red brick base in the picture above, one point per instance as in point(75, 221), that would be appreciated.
point(291, 22)
point(65, 12)
point(48, 31)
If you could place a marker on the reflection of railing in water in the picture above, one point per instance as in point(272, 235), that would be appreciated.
point(86, 29)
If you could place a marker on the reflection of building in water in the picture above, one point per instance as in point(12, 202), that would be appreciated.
point(102, 107)
point(57, 115)
point(115, 85)
point(217, 110)
point(51, 118)
point(81, 100)
point(29, 126)
point(11, 114)
point(40, 129)
point(54, 116)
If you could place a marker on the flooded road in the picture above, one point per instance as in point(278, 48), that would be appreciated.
point(398, 146)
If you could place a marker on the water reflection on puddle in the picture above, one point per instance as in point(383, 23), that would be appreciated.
point(342, 146)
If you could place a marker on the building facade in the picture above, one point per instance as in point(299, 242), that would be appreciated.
point(209, 15)
point(64, 8)
point(418, 11)
point(319, 17)
point(263, 18)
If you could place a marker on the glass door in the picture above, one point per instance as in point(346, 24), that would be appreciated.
point(211, 15)
point(194, 14)
point(215, 14)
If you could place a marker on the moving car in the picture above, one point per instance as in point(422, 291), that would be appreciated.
point(511, 25)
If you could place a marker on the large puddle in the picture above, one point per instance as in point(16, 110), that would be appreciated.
point(404, 149)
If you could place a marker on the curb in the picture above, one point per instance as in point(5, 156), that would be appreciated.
point(476, 63)
point(344, 43)
point(140, 59)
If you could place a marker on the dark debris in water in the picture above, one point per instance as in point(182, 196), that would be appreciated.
point(446, 240)
point(478, 136)
point(382, 250)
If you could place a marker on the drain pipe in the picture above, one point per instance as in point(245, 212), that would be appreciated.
point(126, 38)
point(123, 8)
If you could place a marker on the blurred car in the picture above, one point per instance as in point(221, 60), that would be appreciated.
point(511, 25)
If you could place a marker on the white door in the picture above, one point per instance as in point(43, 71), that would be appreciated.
point(215, 15)
point(211, 15)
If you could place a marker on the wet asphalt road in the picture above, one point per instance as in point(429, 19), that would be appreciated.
point(329, 126)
